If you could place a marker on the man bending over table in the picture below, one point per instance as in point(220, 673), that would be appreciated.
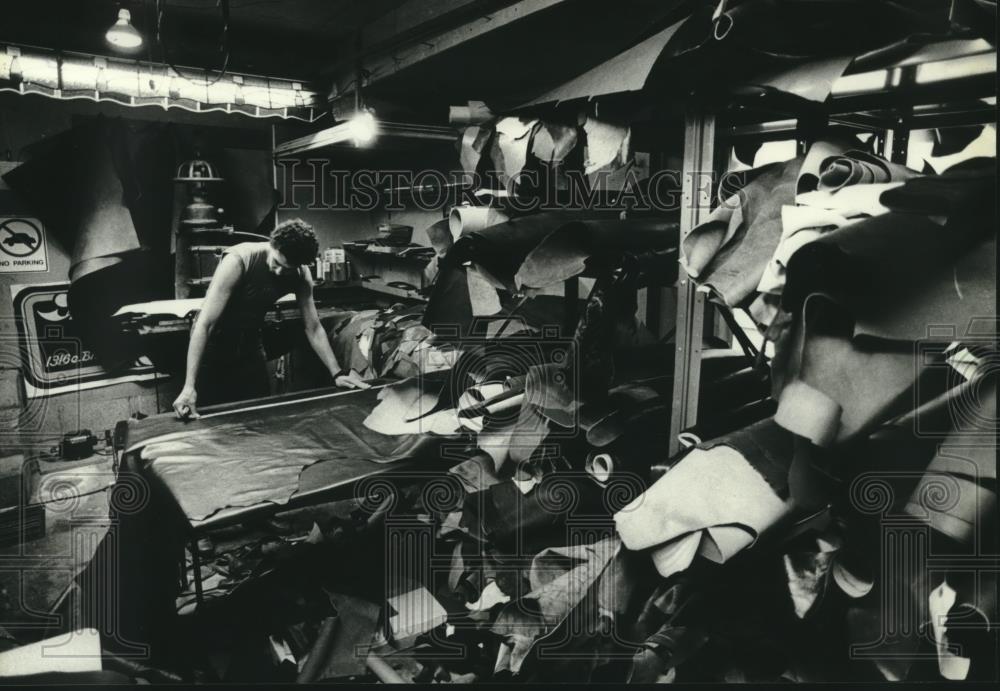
point(225, 358)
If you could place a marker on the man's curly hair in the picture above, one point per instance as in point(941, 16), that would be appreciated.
point(296, 240)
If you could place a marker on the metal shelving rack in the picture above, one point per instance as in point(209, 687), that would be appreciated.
point(902, 103)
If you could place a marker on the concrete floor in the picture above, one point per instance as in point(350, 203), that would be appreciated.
point(35, 573)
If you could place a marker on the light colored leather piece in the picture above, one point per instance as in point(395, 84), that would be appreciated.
point(707, 490)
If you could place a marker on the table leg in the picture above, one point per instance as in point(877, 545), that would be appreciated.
point(196, 564)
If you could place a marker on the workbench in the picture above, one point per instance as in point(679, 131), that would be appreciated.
point(331, 299)
point(253, 459)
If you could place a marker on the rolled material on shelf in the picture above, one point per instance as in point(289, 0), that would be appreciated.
point(319, 653)
point(501, 401)
point(509, 400)
point(381, 669)
point(474, 113)
point(468, 219)
point(489, 399)
point(860, 167)
point(600, 466)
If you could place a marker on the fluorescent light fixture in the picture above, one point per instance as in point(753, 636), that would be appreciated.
point(947, 50)
point(130, 82)
point(864, 82)
point(957, 68)
point(938, 62)
point(122, 36)
point(348, 130)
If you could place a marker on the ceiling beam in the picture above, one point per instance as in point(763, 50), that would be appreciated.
point(398, 53)
point(414, 20)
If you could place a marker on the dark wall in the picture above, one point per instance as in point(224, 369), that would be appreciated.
point(31, 128)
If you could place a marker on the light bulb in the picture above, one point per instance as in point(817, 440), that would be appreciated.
point(122, 36)
point(363, 128)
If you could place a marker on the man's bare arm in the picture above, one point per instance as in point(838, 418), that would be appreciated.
point(317, 336)
point(223, 282)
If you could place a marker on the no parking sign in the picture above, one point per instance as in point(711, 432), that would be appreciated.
point(22, 245)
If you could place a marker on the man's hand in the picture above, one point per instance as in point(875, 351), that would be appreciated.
point(351, 380)
point(184, 406)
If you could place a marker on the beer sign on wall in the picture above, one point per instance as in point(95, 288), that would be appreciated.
point(54, 358)
point(22, 245)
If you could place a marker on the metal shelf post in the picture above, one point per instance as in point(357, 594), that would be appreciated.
point(696, 203)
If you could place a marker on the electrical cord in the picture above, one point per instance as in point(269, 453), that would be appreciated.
point(74, 497)
point(160, 13)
